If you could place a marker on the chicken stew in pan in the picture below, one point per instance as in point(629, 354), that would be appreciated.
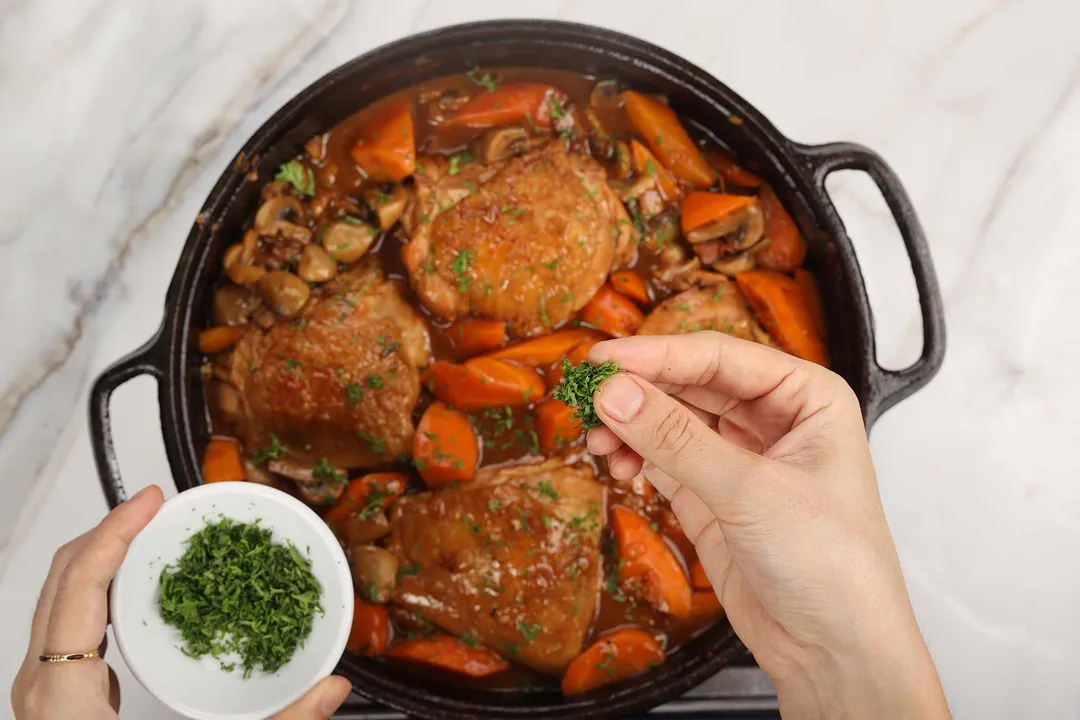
point(387, 332)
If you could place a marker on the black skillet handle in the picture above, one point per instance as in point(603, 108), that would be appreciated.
point(889, 387)
point(144, 361)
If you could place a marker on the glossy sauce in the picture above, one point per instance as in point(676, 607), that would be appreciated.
point(507, 434)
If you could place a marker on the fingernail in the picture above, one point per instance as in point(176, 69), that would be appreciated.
point(621, 398)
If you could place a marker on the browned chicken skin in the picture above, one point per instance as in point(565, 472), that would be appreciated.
point(338, 382)
point(511, 560)
point(720, 307)
point(528, 240)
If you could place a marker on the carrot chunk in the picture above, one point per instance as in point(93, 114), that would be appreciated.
point(447, 653)
point(784, 312)
point(613, 313)
point(660, 130)
point(445, 448)
point(222, 461)
point(386, 148)
point(614, 657)
point(649, 564)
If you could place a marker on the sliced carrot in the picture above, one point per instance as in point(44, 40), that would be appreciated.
point(222, 461)
point(812, 297)
point(218, 338)
point(384, 487)
point(646, 164)
point(386, 148)
point(630, 284)
point(446, 448)
point(484, 382)
point(447, 653)
point(472, 336)
point(547, 349)
point(370, 632)
point(613, 313)
point(614, 657)
point(783, 311)
point(646, 561)
point(786, 249)
point(698, 578)
point(509, 104)
point(664, 135)
point(702, 208)
point(731, 171)
point(704, 603)
point(556, 425)
point(576, 356)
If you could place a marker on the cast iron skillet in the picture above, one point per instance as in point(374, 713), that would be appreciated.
point(796, 171)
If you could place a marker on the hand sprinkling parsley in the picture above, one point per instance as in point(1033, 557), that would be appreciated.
point(578, 385)
point(236, 591)
point(302, 178)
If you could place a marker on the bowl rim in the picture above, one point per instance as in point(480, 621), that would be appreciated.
point(336, 588)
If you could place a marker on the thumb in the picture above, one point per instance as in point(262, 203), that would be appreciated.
point(320, 702)
point(666, 434)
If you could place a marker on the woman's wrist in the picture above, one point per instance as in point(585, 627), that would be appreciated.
point(891, 678)
point(896, 680)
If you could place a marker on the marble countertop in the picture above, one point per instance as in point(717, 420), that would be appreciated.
point(117, 118)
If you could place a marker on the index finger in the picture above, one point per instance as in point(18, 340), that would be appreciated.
point(740, 369)
point(80, 607)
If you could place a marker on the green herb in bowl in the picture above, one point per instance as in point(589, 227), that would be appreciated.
point(235, 592)
point(578, 385)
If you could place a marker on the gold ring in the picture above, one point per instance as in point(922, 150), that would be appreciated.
point(69, 657)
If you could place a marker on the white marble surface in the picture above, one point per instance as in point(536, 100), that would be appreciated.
point(115, 119)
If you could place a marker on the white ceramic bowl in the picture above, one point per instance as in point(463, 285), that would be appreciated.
point(200, 688)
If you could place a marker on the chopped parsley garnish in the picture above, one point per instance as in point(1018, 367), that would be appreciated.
point(578, 385)
point(555, 109)
point(353, 393)
point(374, 382)
point(494, 505)
point(529, 632)
point(273, 451)
point(469, 639)
point(607, 664)
point(407, 570)
point(292, 364)
point(532, 123)
point(323, 470)
point(470, 523)
point(302, 178)
point(377, 444)
point(389, 347)
point(458, 158)
point(719, 291)
point(547, 490)
point(460, 266)
point(374, 504)
point(235, 591)
point(484, 80)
